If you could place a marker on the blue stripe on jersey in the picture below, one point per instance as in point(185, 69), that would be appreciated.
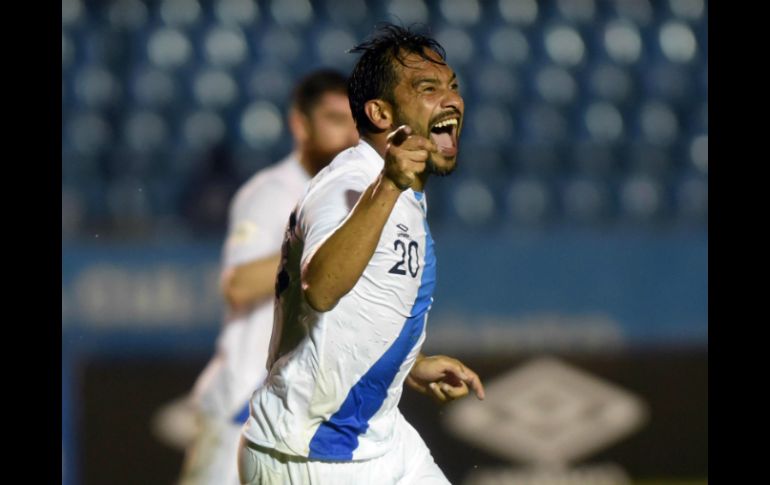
point(336, 438)
point(242, 415)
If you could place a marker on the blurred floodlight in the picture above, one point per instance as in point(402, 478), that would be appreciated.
point(291, 12)
point(546, 124)
point(580, 11)
point(225, 47)
point(96, 87)
point(693, 198)
point(604, 121)
point(169, 48)
point(89, 133)
point(71, 12)
point(659, 123)
point(457, 43)
point(215, 89)
point(564, 45)
point(556, 85)
point(641, 196)
point(280, 44)
point(492, 123)
point(699, 153)
point(677, 42)
point(349, 12)
point(584, 200)
point(153, 87)
point(519, 12)
point(333, 45)
point(271, 82)
point(182, 13)
point(127, 14)
point(637, 11)
point(261, 124)
point(687, 9)
point(622, 42)
point(408, 11)
point(145, 131)
point(474, 203)
point(509, 46)
point(461, 12)
point(203, 129)
point(528, 200)
point(610, 82)
point(496, 82)
point(236, 12)
point(67, 51)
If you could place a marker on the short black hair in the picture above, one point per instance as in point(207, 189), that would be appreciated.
point(311, 88)
point(374, 75)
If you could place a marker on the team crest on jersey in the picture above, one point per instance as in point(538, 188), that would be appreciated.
point(243, 232)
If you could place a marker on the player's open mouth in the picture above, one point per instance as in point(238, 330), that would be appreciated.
point(444, 135)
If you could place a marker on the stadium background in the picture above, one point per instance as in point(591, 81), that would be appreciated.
point(575, 226)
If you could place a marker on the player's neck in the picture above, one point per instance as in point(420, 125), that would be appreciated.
point(308, 162)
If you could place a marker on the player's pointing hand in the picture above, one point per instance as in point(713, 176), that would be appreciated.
point(405, 156)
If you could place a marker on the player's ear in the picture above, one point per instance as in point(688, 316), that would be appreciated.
point(379, 113)
point(299, 125)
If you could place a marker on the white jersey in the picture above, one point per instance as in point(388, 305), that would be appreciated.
point(336, 377)
point(258, 215)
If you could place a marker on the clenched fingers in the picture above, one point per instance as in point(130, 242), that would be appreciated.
point(467, 376)
point(404, 139)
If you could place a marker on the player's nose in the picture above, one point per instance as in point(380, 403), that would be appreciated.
point(452, 99)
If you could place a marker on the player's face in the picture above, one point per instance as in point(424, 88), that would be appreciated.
point(428, 100)
point(331, 128)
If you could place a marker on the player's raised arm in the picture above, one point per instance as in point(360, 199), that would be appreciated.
point(337, 264)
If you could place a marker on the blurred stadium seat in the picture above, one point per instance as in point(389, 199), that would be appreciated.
point(584, 96)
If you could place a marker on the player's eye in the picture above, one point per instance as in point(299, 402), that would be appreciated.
point(455, 87)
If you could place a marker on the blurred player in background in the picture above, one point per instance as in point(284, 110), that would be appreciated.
point(321, 125)
point(355, 286)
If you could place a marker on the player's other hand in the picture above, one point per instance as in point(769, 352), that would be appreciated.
point(444, 378)
point(405, 156)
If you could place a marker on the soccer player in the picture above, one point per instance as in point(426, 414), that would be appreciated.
point(321, 125)
point(355, 285)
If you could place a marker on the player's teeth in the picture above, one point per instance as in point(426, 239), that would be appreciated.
point(446, 123)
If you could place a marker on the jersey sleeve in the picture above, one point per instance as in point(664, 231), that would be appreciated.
point(327, 207)
point(257, 223)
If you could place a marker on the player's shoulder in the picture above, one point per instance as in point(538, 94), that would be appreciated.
point(275, 179)
point(352, 163)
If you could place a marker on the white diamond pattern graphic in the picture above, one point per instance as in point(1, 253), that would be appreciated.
point(547, 413)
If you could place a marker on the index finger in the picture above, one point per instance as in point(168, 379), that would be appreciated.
point(399, 135)
point(474, 382)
